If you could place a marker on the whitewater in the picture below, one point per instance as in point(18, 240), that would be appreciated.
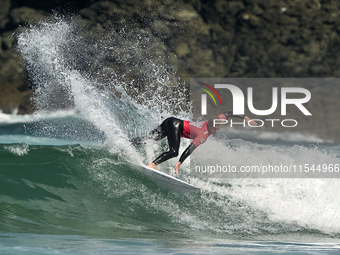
point(67, 172)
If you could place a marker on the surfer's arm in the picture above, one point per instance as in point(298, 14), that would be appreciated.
point(249, 121)
point(230, 114)
point(184, 155)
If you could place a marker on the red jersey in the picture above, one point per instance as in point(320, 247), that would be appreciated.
point(198, 131)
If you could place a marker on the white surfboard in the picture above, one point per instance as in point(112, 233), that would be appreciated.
point(167, 181)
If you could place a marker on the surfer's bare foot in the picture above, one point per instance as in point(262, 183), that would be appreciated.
point(177, 167)
point(152, 165)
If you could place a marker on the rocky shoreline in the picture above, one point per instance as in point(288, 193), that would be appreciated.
point(218, 38)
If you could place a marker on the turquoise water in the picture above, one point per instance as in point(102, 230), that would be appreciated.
point(68, 179)
point(62, 196)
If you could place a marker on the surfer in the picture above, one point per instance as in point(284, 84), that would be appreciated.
point(174, 129)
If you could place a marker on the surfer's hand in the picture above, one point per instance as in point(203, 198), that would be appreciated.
point(177, 167)
point(249, 121)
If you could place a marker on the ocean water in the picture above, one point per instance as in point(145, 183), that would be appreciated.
point(78, 196)
point(68, 181)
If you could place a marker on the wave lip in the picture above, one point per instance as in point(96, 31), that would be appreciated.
point(6, 119)
point(34, 140)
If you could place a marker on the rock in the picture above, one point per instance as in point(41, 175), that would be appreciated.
point(5, 5)
point(3, 22)
point(182, 49)
point(197, 38)
point(6, 42)
point(106, 14)
point(318, 70)
point(161, 29)
point(11, 66)
point(24, 15)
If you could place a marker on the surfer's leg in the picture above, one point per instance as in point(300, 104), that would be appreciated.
point(173, 128)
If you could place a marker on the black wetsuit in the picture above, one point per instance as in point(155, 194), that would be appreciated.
point(172, 128)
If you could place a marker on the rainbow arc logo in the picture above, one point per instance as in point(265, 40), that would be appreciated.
point(204, 97)
point(209, 93)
